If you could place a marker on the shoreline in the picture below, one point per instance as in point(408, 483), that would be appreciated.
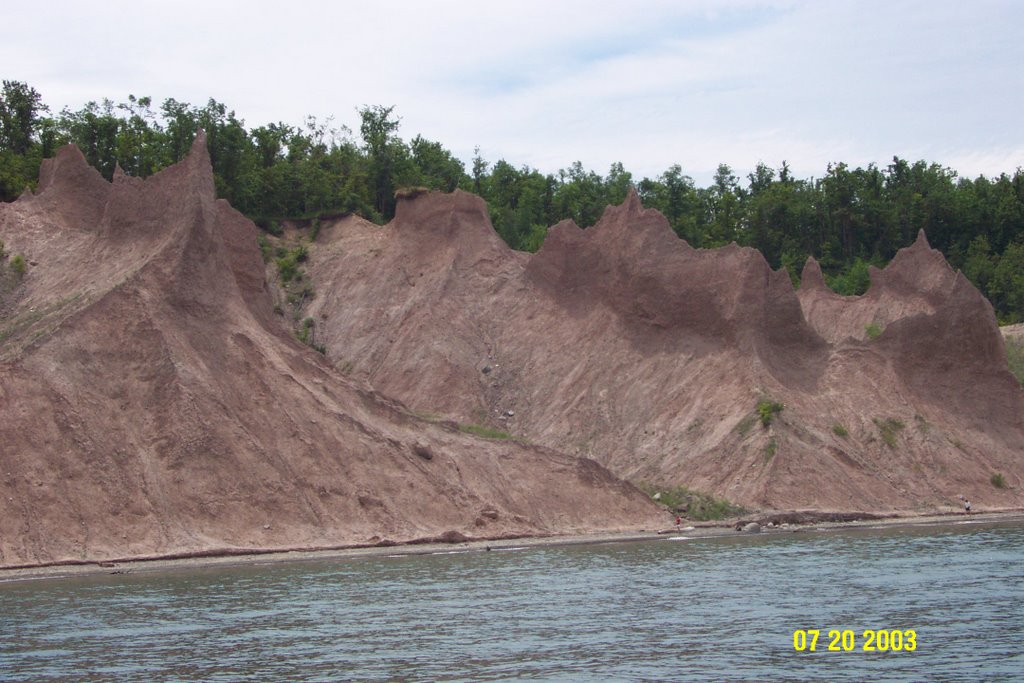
point(229, 558)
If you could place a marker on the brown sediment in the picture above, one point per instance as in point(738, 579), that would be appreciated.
point(154, 406)
point(623, 343)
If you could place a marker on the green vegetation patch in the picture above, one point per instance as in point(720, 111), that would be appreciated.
point(767, 410)
point(307, 335)
point(770, 449)
point(998, 480)
point(692, 504)
point(851, 280)
point(888, 429)
point(266, 249)
point(840, 431)
point(486, 432)
point(305, 332)
point(287, 268)
point(873, 330)
point(18, 265)
point(288, 264)
point(297, 296)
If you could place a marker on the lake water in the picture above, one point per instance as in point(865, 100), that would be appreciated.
point(665, 610)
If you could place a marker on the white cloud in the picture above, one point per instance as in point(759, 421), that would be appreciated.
point(545, 84)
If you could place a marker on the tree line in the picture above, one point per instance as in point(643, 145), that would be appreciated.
point(848, 219)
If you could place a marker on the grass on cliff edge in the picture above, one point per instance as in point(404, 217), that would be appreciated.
point(486, 432)
point(693, 505)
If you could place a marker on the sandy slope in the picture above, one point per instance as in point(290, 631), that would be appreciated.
point(623, 343)
point(1013, 331)
point(153, 404)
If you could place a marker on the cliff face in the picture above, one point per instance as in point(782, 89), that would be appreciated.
point(935, 331)
point(623, 343)
point(153, 404)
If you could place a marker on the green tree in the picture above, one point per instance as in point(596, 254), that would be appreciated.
point(140, 139)
point(20, 108)
point(723, 200)
point(849, 218)
point(386, 155)
point(181, 123)
point(1006, 288)
point(480, 167)
point(435, 166)
point(675, 195)
point(270, 141)
point(853, 281)
point(94, 130)
point(580, 195)
point(839, 195)
point(617, 183)
point(17, 172)
point(20, 123)
point(980, 265)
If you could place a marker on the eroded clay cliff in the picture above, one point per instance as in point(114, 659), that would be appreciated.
point(623, 343)
point(153, 404)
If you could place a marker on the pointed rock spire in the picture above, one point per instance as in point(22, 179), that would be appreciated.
point(811, 277)
point(198, 154)
point(922, 241)
point(68, 162)
point(632, 203)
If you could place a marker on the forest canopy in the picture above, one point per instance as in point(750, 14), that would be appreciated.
point(848, 219)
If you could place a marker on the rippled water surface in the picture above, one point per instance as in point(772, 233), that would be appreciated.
point(673, 610)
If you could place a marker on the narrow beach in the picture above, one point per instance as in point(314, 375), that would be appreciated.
point(689, 530)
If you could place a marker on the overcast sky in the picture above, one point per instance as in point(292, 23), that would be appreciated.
point(544, 84)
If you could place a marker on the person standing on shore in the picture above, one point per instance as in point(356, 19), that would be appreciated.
point(967, 507)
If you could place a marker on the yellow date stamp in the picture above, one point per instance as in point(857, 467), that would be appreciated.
point(845, 640)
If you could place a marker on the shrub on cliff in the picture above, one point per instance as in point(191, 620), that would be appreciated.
point(888, 429)
point(767, 410)
point(18, 265)
point(692, 504)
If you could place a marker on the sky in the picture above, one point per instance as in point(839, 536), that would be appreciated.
point(544, 84)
